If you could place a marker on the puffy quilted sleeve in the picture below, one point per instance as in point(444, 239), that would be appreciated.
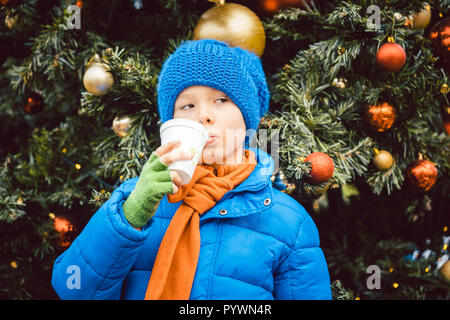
point(98, 260)
point(303, 272)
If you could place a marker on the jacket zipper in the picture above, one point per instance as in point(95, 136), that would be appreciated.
point(211, 272)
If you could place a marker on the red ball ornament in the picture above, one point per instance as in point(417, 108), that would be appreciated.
point(322, 167)
point(422, 174)
point(391, 57)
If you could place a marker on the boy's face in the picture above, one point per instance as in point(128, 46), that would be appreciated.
point(220, 116)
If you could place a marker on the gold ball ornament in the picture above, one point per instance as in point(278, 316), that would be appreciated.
point(382, 160)
point(97, 80)
point(444, 270)
point(234, 24)
point(422, 19)
point(121, 126)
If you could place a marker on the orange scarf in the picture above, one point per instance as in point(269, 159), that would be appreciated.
point(176, 262)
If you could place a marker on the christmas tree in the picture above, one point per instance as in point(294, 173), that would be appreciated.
point(359, 115)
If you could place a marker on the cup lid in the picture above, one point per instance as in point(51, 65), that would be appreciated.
point(185, 123)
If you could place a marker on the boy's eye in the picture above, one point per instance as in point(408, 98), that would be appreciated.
point(220, 99)
point(225, 99)
point(182, 108)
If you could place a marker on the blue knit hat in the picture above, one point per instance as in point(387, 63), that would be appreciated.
point(236, 72)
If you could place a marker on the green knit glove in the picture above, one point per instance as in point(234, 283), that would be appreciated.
point(154, 182)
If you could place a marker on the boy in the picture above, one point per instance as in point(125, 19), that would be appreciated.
point(227, 234)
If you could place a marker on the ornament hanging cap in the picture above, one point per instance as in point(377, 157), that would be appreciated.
point(218, 2)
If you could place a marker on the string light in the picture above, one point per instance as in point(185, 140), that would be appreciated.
point(391, 270)
point(78, 167)
point(445, 229)
point(395, 285)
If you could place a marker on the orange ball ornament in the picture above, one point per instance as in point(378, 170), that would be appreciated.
point(447, 126)
point(440, 38)
point(322, 167)
point(391, 56)
point(422, 174)
point(381, 116)
point(65, 228)
point(8, 2)
point(271, 6)
point(34, 103)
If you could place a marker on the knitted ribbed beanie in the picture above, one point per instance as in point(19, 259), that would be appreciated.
point(236, 72)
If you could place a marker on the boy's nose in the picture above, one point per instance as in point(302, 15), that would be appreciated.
point(206, 118)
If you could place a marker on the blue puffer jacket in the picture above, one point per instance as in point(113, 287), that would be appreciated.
point(257, 243)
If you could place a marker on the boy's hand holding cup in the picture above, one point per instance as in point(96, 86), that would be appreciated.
point(169, 167)
point(193, 137)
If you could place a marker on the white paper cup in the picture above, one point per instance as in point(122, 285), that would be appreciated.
point(193, 137)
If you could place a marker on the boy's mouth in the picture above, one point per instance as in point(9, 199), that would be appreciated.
point(211, 140)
